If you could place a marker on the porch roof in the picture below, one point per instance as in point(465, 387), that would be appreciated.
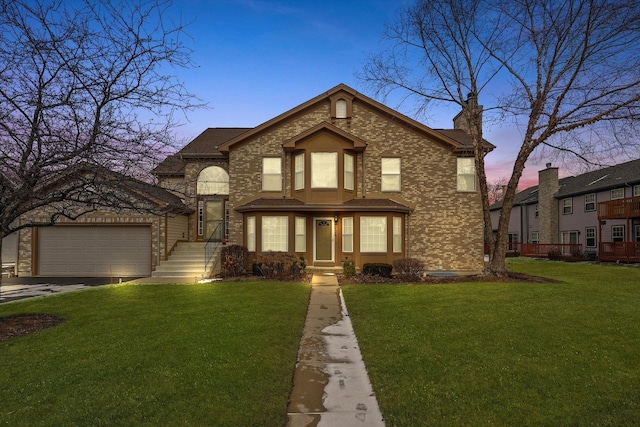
point(295, 205)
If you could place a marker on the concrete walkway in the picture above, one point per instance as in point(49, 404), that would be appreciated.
point(330, 384)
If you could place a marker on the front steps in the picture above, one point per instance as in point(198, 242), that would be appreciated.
point(187, 260)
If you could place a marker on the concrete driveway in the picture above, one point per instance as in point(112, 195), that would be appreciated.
point(16, 288)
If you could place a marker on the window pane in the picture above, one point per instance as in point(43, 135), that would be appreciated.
point(618, 193)
point(348, 172)
point(251, 234)
point(341, 109)
point(373, 234)
point(397, 235)
point(299, 171)
point(347, 234)
point(274, 233)
point(271, 174)
point(390, 174)
point(466, 174)
point(213, 180)
point(301, 234)
point(324, 170)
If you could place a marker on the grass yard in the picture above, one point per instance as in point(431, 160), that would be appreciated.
point(216, 354)
point(505, 353)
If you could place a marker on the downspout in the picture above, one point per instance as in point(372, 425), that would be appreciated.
point(408, 216)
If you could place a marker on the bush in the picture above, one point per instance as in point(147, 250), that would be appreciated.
point(348, 268)
point(281, 266)
point(233, 258)
point(554, 254)
point(409, 268)
point(377, 269)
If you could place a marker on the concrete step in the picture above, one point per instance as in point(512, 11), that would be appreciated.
point(186, 260)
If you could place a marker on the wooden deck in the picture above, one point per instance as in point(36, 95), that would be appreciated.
point(629, 207)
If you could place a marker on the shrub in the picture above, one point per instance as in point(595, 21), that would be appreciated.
point(554, 254)
point(233, 258)
point(281, 266)
point(409, 268)
point(377, 269)
point(348, 268)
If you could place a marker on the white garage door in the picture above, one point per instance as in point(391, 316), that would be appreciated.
point(92, 251)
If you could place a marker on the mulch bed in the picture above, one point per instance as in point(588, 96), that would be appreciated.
point(24, 324)
point(510, 277)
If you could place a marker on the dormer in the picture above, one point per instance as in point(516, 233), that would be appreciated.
point(341, 105)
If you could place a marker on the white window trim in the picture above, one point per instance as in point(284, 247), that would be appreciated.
point(320, 173)
point(301, 234)
point(278, 186)
point(349, 175)
point(363, 236)
point(636, 190)
point(618, 227)
point(535, 237)
point(212, 180)
point(299, 171)
point(391, 173)
point(617, 189)
point(568, 234)
point(347, 225)
point(460, 175)
point(567, 203)
point(587, 237)
point(586, 209)
point(284, 238)
point(251, 233)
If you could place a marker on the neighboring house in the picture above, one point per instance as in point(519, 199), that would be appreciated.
point(597, 212)
point(338, 177)
point(108, 242)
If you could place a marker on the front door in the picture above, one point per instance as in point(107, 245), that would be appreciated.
point(211, 217)
point(323, 229)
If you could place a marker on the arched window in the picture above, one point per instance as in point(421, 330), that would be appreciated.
point(213, 180)
point(341, 109)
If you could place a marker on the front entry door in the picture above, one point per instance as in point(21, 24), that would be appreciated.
point(212, 219)
point(324, 240)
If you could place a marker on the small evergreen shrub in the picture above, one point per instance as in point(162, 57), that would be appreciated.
point(409, 268)
point(348, 268)
point(234, 258)
point(377, 269)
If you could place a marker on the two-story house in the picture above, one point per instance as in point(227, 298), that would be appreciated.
point(596, 212)
point(338, 177)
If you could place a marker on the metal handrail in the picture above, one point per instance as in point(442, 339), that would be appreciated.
point(213, 242)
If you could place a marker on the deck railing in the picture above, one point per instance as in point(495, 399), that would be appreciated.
point(619, 251)
point(543, 250)
point(629, 207)
point(213, 243)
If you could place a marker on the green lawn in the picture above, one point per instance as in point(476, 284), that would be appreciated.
point(215, 354)
point(505, 353)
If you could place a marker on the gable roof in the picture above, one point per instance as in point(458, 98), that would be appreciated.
point(452, 139)
point(611, 177)
point(204, 145)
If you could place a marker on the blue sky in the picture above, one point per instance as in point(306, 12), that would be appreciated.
point(259, 58)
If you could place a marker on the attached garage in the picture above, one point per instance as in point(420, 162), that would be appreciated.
point(94, 251)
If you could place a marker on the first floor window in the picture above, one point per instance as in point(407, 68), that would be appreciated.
point(466, 174)
point(301, 234)
point(567, 206)
point(347, 234)
point(535, 237)
point(373, 234)
point(636, 190)
point(590, 202)
point(617, 193)
point(271, 174)
point(617, 233)
point(251, 234)
point(390, 174)
point(590, 237)
point(324, 170)
point(274, 233)
point(512, 244)
point(637, 233)
point(397, 235)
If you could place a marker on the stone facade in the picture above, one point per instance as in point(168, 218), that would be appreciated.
point(548, 205)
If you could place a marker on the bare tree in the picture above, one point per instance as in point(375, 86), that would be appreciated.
point(565, 73)
point(84, 89)
point(496, 190)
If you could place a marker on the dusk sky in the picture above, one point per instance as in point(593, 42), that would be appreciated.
point(258, 58)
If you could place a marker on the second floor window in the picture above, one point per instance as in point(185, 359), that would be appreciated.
point(348, 172)
point(636, 190)
point(466, 174)
point(590, 202)
point(324, 170)
point(271, 174)
point(299, 171)
point(567, 206)
point(617, 193)
point(390, 174)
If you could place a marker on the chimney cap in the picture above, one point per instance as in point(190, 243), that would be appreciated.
point(549, 165)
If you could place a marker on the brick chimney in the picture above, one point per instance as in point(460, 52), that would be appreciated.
point(460, 120)
point(548, 205)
